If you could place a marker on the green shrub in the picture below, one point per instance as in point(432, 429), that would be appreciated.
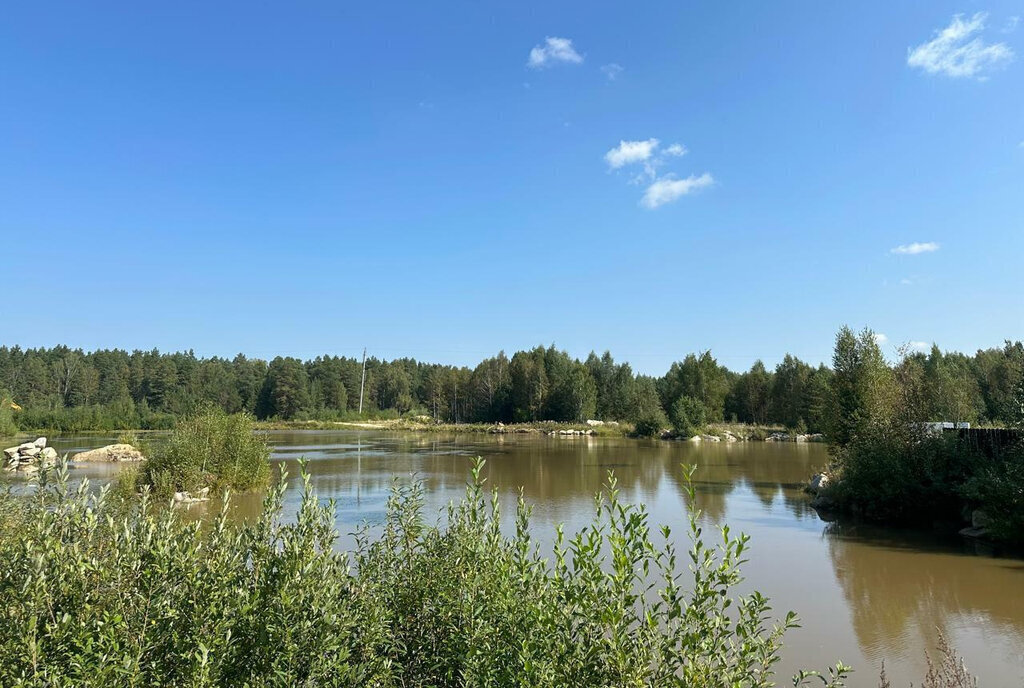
point(998, 488)
point(210, 448)
point(687, 416)
point(649, 424)
point(900, 474)
point(149, 598)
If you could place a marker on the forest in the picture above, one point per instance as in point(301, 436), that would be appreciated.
point(70, 389)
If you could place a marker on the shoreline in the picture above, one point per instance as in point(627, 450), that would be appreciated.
point(713, 432)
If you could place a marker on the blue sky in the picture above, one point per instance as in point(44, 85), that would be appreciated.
point(444, 180)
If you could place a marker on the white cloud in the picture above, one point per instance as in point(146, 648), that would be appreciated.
point(667, 189)
point(553, 50)
point(630, 152)
point(915, 248)
point(676, 149)
point(906, 280)
point(612, 70)
point(957, 52)
point(880, 339)
point(919, 346)
point(1011, 24)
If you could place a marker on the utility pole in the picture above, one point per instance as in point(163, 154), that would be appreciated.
point(362, 383)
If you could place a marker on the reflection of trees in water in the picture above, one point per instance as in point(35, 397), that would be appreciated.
point(894, 587)
point(558, 471)
point(768, 470)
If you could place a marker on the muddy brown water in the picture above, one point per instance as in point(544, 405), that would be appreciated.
point(864, 595)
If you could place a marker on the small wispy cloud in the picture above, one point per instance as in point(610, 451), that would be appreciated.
point(915, 248)
point(612, 70)
point(1011, 24)
point(667, 189)
point(631, 152)
point(906, 281)
point(881, 339)
point(554, 50)
point(676, 150)
point(919, 346)
point(957, 50)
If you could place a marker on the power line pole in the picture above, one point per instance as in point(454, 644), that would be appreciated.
point(362, 383)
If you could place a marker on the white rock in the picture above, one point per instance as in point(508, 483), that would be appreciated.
point(111, 453)
point(817, 483)
point(11, 452)
point(695, 438)
point(41, 442)
point(33, 450)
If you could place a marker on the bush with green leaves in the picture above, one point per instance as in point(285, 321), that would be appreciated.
point(998, 488)
point(210, 448)
point(95, 596)
point(649, 424)
point(687, 416)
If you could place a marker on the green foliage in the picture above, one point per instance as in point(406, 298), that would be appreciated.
point(7, 425)
point(69, 390)
point(699, 377)
point(648, 417)
point(285, 390)
point(687, 416)
point(998, 488)
point(750, 398)
point(894, 474)
point(210, 448)
point(94, 597)
point(861, 386)
point(893, 469)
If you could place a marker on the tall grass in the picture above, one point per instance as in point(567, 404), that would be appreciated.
point(210, 448)
point(92, 596)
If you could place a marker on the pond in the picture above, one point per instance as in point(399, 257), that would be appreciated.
point(864, 594)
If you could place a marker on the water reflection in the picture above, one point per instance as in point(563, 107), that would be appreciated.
point(864, 594)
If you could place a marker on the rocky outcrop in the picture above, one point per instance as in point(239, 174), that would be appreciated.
point(29, 457)
point(813, 437)
point(112, 453)
point(571, 433)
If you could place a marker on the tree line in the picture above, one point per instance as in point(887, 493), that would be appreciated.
point(70, 389)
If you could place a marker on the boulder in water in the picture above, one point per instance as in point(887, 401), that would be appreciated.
point(112, 453)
